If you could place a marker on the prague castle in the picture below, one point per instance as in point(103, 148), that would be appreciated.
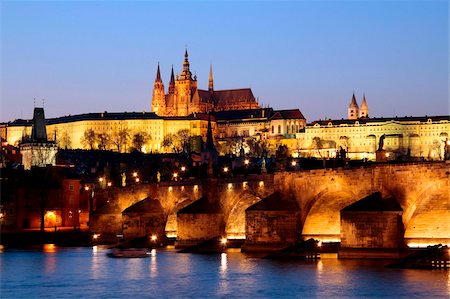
point(184, 98)
point(236, 116)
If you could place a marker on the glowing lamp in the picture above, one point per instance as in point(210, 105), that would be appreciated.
point(154, 237)
point(223, 241)
point(225, 169)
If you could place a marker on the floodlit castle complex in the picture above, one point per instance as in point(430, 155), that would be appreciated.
point(235, 114)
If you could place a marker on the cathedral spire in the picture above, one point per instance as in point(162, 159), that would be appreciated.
point(364, 110)
point(186, 73)
point(211, 81)
point(209, 137)
point(172, 83)
point(353, 109)
point(158, 75)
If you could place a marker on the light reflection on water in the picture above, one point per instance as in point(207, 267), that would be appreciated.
point(88, 272)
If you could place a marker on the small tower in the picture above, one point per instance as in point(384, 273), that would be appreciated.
point(211, 81)
point(364, 111)
point(158, 99)
point(353, 109)
point(172, 83)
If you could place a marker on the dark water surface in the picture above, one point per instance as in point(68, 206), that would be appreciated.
point(88, 273)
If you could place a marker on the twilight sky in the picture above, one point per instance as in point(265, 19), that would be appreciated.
point(98, 56)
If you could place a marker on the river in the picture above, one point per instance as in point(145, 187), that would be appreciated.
point(53, 272)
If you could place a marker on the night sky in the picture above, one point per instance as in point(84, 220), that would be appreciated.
point(102, 56)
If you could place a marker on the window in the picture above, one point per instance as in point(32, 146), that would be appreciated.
point(272, 130)
point(71, 187)
point(279, 129)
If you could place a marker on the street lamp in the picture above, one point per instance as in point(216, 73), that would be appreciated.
point(246, 161)
point(225, 169)
point(135, 174)
point(183, 168)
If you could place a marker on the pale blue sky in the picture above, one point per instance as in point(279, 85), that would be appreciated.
point(86, 56)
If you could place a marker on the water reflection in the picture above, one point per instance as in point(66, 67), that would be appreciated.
point(153, 264)
point(223, 278)
point(167, 274)
point(49, 248)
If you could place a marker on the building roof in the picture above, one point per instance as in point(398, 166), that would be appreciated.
point(234, 95)
point(243, 114)
point(374, 203)
point(405, 119)
point(287, 114)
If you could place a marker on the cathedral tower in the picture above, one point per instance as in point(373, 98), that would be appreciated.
point(185, 87)
point(353, 109)
point(364, 111)
point(211, 81)
point(158, 99)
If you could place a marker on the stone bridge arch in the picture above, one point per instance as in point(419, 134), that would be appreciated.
point(235, 220)
point(322, 220)
point(173, 199)
point(427, 218)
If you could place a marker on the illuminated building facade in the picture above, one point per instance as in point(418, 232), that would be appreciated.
point(415, 137)
point(184, 98)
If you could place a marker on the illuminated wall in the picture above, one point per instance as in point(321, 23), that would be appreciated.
point(420, 138)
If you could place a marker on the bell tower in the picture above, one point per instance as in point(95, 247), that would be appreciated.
point(353, 109)
point(364, 111)
point(158, 98)
point(185, 86)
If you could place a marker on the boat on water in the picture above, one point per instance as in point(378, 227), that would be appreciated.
point(128, 253)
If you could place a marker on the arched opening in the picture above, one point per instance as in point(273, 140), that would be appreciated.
point(323, 219)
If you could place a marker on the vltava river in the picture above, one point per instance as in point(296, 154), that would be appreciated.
point(88, 273)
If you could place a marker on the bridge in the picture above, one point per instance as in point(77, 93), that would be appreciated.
point(198, 209)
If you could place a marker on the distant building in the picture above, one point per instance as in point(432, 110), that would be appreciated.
point(184, 98)
point(36, 149)
point(425, 137)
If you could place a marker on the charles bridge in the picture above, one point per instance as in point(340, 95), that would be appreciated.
point(302, 203)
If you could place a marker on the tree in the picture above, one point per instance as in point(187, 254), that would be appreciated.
point(171, 142)
point(120, 138)
point(103, 141)
point(64, 140)
point(88, 139)
point(317, 144)
point(184, 137)
point(139, 140)
point(345, 142)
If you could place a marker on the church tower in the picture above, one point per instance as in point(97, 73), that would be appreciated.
point(158, 99)
point(353, 109)
point(364, 111)
point(185, 87)
point(211, 81)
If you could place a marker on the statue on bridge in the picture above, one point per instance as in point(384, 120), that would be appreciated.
point(381, 143)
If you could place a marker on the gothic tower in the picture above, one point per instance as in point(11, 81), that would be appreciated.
point(158, 99)
point(353, 109)
point(364, 111)
point(185, 87)
point(211, 81)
